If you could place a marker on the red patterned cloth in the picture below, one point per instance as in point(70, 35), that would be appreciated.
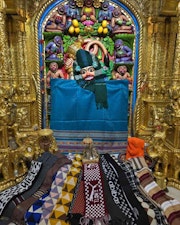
point(95, 208)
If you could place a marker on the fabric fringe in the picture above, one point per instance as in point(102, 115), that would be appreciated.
point(95, 221)
point(117, 221)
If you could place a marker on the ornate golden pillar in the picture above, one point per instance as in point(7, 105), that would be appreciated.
point(4, 56)
point(177, 47)
point(174, 92)
point(26, 91)
point(158, 105)
point(5, 82)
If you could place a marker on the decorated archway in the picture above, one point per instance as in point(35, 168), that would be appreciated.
point(130, 37)
point(106, 30)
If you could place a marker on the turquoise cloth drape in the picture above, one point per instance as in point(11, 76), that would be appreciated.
point(74, 114)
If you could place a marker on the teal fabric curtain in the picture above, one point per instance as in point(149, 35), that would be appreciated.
point(74, 114)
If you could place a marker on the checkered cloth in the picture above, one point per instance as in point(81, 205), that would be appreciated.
point(95, 207)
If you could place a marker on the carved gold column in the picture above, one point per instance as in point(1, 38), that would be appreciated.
point(3, 43)
point(5, 88)
point(173, 134)
point(177, 47)
point(26, 91)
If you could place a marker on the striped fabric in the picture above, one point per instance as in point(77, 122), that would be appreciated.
point(170, 206)
point(155, 214)
point(70, 141)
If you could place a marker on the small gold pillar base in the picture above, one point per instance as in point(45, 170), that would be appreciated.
point(161, 180)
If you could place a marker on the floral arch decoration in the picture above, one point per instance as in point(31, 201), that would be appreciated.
point(103, 27)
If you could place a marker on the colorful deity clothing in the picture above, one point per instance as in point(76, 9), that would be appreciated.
point(170, 206)
point(60, 211)
point(122, 194)
point(8, 194)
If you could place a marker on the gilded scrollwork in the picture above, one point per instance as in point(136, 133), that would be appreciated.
point(17, 147)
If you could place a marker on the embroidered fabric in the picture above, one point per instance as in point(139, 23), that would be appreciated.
point(8, 194)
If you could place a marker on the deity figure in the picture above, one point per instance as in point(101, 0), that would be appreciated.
point(90, 75)
point(53, 73)
point(71, 13)
point(54, 49)
point(122, 53)
point(57, 21)
point(105, 13)
point(120, 23)
point(121, 73)
point(88, 13)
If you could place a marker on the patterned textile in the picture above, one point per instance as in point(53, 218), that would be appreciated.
point(139, 163)
point(105, 126)
point(71, 141)
point(170, 206)
point(47, 164)
point(121, 191)
point(117, 217)
point(155, 214)
point(33, 215)
point(60, 211)
point(20, 210)
point(77, 207)
point(8, 194)
point(55, 192)
point(47, 159)
point(95, 208)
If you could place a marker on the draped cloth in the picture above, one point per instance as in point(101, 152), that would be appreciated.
point(155, 214)
point(60, 210)
point(169, 205)
point(95, 207)
point(74, 116)
point(122, 193)
point(21, 209)
point(54, 194)
point(8, 194)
